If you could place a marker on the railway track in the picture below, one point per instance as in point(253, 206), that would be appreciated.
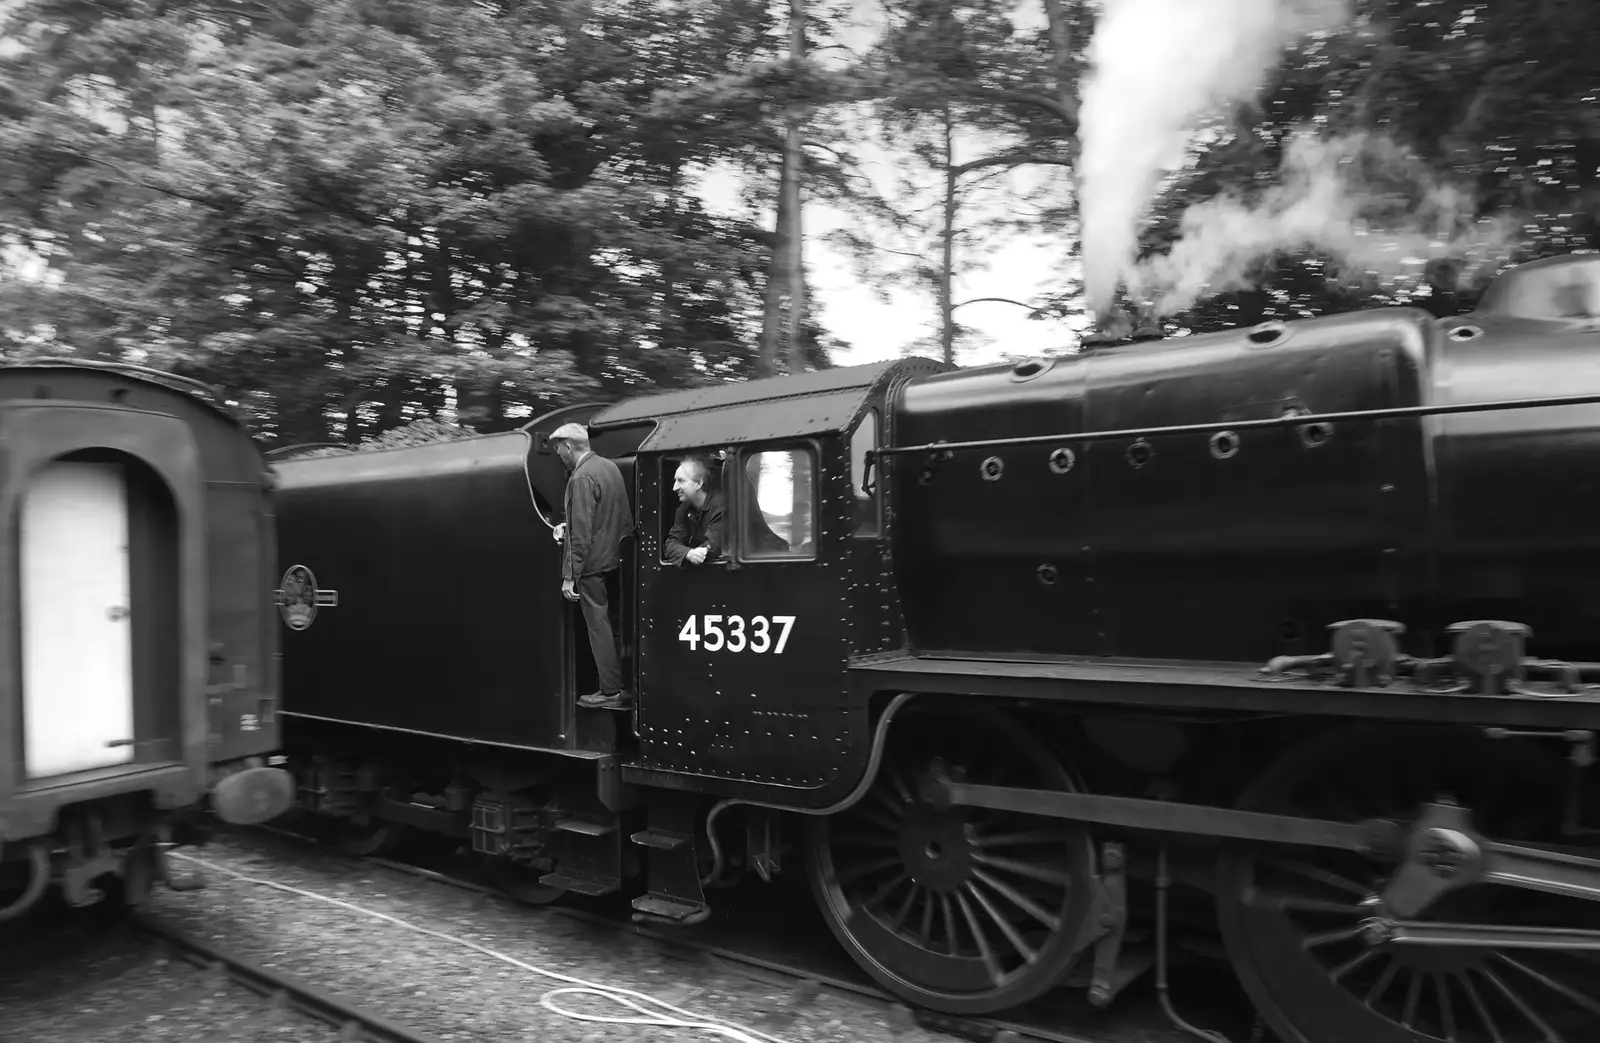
point(281, 990)
point(108, 973)
point(803, 982)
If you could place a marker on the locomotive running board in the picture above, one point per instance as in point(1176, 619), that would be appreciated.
point(1438, 853)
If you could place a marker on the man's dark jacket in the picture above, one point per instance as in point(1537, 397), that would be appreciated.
point(597, 518)
point(693, 526)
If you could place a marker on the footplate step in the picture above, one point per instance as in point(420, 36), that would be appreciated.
point(668, 910)
point(660, 839)
point(582, 885)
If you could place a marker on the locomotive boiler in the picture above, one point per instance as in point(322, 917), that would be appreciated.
point(140, 681)
point(1296, 617)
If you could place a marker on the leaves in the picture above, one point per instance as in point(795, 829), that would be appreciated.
point(1492, 107)
point(348, 212)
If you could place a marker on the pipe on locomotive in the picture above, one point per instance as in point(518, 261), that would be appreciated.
point(1287, 420)
point(868, 777)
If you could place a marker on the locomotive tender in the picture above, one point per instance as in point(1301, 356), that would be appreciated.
point(1255, 612)
point(140, 678)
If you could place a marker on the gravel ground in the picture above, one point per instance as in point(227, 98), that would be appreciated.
point(456, 993)
point(66, 982)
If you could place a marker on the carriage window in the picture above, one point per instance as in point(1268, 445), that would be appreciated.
point(780, 504)
point(865, 499)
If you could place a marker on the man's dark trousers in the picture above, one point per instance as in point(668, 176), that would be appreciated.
point(597, 610)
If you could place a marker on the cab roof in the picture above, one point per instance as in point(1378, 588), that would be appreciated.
point(824, 401)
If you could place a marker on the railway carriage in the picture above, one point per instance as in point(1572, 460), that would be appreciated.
point(1300, 617)
point(140, 675)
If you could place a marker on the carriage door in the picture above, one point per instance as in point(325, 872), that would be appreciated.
point(77, 650)
point(744, 656)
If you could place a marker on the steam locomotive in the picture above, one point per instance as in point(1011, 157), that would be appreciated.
point(1302, 617)
point(140, 680)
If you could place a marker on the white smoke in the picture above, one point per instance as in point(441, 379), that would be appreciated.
point(1156, 66)
point(1360, 200)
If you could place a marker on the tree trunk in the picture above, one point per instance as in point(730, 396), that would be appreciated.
point(777, 271)
point(796, 250)
point(1061, 52)
point(947, 239)
point(793, 164)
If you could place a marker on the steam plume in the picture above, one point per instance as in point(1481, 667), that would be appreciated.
point(1357, 199)
point(1156, 66)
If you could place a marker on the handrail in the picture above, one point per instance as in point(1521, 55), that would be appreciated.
point(1288, 420)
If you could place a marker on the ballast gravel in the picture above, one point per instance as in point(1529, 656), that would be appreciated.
point(455, 993)
point(60, 984)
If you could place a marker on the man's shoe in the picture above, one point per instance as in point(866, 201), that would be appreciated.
point(606, 701)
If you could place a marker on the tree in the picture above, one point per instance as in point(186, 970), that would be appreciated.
point(352, 215)
point(1486, 111)
point(956, 85)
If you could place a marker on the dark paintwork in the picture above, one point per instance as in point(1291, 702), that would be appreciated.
point(722, 396)
point(796, 417)
point(1188, 556)
point(751, 723)
point(768, 717)
point(201, 537)
point(449, 620)
point(444, 551)
point(1425, 520)
point(1515, 488)
point(1116, 685)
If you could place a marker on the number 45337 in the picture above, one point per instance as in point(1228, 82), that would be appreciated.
point(709, 633)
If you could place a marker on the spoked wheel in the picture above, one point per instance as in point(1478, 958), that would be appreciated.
point(521, 883)
point(1291, 917)
point(963, 910)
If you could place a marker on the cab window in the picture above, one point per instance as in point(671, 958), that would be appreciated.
point(780, 504)
point(864, 485)
point(670, 502)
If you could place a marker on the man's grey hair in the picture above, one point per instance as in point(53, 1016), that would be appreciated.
point(575, 435)
point(699, 468)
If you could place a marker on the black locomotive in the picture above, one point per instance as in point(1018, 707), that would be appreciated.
point(1301, 615)
point(140, 677)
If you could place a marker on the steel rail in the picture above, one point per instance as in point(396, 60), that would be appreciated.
point(353, 1021)
point(1210, 427)
point(981, 1029)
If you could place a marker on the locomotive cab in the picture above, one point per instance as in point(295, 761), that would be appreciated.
point(741, 657)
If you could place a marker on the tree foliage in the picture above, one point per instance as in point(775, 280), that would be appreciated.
point(1498, 101)
point(351, 214)
point(357, 214)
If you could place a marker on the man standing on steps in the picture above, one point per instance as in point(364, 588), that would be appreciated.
point(598, 519)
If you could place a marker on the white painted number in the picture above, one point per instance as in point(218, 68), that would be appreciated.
point(249, 723)
point(709, 630)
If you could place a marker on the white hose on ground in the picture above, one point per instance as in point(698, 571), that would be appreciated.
point(664, 1016)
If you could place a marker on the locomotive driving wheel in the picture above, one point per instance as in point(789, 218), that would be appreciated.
point(963, 910)
point(1291, 918)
